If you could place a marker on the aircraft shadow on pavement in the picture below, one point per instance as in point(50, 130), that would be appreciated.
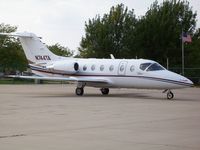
point(133, 96)
point(93, 95)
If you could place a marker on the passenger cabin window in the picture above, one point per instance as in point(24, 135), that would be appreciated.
point(111, 68)
point(144, 66)
point(155, 67)
point(132, 68)
point(93, 67)
point(101, 67)
point(84, 67)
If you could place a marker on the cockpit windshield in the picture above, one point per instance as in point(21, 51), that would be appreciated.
point(155, 67)
point(151, 67)
point(143, 66)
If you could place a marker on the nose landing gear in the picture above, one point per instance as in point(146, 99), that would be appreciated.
point(170, 95)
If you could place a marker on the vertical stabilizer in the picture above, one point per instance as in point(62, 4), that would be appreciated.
point(35, 51)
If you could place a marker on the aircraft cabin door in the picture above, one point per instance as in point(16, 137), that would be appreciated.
point(122, 68)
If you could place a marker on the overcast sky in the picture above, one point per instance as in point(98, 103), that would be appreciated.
point(62, 21)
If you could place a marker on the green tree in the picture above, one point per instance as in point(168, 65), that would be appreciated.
point(60, 50)
point(12, 57)
point(159, 31)
point(113, 33)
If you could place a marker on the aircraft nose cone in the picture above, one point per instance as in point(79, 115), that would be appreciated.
point(180, 79)
point(190, 82)
point(187, 81)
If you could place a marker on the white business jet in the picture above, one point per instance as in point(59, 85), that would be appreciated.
point(100, 73)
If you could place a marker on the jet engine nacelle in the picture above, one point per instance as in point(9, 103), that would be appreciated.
point(69, 67)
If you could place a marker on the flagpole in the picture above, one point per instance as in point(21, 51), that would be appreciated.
point(183, 62)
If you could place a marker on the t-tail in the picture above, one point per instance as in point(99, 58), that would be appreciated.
point(36, 52)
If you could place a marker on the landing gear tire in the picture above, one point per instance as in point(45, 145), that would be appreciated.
point(79, 91)
point(170, 95)
point(105, 91)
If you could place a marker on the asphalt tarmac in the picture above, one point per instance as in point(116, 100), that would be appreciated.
point(49, 117)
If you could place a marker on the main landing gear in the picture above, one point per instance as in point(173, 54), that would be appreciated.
point(80, 90)
point(104, 91)
point(170, 95)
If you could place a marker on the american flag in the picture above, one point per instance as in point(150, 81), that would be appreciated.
point(186, 38)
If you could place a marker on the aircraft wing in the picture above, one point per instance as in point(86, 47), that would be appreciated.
point(73, 79)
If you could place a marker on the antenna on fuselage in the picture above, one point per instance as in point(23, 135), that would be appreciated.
point(112, 57)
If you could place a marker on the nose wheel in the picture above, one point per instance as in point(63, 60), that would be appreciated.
point(170, 95)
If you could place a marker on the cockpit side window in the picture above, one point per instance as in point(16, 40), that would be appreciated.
point(155, 67)
point(144, 66)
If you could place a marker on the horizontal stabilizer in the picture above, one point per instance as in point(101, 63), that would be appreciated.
point(24, 34)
